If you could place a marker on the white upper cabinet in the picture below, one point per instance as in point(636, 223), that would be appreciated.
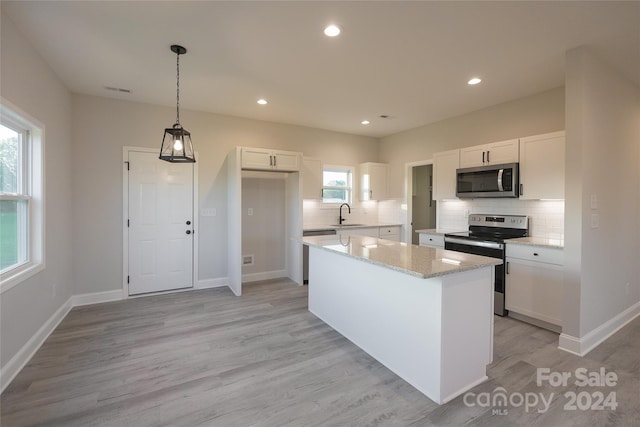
point(542, 166)
point(373, 181)
point(494, 153)
point(265, 159)
point(311, 178)
point(444, 174)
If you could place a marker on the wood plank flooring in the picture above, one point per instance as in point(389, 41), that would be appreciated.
point(208, 358)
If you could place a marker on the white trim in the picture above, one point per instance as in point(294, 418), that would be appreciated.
point(265, 275)
point(212, 283)
point(582, 345)
point(98, 297)
point(24, 355)
point(125, 215)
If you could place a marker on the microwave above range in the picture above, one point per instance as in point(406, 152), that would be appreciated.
point(488, 181)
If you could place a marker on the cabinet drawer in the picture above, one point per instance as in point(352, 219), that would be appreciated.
point(536, 253)
point(434, 240)
point(386, 231)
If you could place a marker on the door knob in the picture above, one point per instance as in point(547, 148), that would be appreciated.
point(188, 231)
point(188, 222)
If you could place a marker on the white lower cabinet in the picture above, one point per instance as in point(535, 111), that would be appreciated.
point(431, 240)
point(534, 282)
point(389, 233)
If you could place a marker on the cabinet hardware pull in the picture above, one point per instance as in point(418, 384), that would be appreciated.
point(507, 267)
point(483, 157)
point(270, 160)
point(521, 189)
point(535, 254)
point(488, 161)
point(275, 161)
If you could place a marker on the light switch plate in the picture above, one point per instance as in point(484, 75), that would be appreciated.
point(208, 212)
point(594, 201)
point(595, 220)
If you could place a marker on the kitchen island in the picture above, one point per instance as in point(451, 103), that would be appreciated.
point(424, 313)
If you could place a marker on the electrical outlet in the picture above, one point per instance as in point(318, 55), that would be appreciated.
point(594, 201)
point(250, 211)
point(208, 212)
point(595, 220)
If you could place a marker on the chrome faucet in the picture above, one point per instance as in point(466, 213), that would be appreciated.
point(340, 219)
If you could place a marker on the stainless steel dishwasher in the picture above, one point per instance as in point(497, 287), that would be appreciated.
point(305, 250)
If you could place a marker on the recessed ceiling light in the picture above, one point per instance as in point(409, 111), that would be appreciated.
point(331, 30)
point(474, 81)
point(262, 101)
point(365, 122)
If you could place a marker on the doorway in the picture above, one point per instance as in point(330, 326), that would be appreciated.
point(423, 207)
point(159, 223)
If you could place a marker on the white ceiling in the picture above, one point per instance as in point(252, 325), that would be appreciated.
point(408, 60)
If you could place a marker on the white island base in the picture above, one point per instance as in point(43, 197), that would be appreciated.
point(436, 333)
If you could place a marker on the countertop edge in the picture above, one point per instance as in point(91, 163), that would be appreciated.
point(410, 272)
point(540, 242)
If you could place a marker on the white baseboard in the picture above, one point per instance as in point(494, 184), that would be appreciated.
point(97, 297)
point(583, 345)
point(22, 357)
point(212, 283)
point(266, 275)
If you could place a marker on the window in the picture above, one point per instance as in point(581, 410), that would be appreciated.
point(336, 184)
point(21, 216)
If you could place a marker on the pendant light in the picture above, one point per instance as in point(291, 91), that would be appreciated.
point(176, 144)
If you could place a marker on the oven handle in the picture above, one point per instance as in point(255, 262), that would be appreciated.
point(491, 245)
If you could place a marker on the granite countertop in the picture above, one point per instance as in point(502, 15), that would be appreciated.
point(342, 227)
point(419, 261)
point(438, 231)
point(537, 241)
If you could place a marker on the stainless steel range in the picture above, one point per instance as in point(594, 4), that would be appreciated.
point(486, 237)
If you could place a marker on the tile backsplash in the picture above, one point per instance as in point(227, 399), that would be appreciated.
point(546, 217)
point(315, 213)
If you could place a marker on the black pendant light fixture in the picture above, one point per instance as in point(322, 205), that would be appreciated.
point(176, 144)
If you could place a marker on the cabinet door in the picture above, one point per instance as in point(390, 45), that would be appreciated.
point(359, 231)
point(542, 166)
point(535, 290)
point(373, 181)
point(311, 178)
point(502, 152)
point(473, 156)
point(444, 174)
point(256, 158)
point(286, 161)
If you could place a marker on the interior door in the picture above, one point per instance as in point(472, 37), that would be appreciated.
point(423, 207)
point(160, 224)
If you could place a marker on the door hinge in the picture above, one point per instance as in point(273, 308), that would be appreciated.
point(127, 223)
point(127, 165)
point(128, 279)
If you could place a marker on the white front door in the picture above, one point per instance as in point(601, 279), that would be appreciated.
point(160, 230)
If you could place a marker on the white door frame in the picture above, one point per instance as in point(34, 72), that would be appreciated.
point(408, 178)
point(125, 229)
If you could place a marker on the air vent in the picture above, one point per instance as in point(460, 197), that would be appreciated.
point(247, 260)
point(117, 89)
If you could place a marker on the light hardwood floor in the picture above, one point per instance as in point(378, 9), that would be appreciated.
point(210, 358)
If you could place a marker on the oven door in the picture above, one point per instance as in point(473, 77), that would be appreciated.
point(488, 249)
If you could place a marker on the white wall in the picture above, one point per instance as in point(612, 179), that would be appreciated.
point(603, 160)
point(534, 115)
point(102, 126)
point(28, 83)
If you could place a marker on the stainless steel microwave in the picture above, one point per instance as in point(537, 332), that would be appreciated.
point(488, 181)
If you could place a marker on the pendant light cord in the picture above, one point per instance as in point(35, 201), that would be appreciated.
point(177, 88)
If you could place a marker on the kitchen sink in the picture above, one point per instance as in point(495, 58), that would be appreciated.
point(348, 225)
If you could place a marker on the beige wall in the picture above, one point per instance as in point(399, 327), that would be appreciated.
point(29, 84)
point(603, 152)
point(533, 115)
point(102, 126)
